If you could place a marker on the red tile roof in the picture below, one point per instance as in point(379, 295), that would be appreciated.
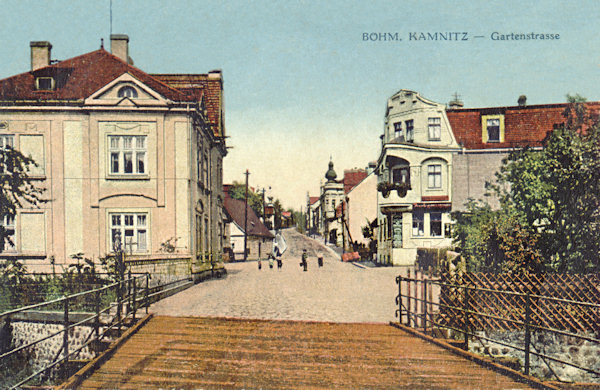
point(313, 199)
point(352, 177)
point(523, 125)
point(78, 78)
point(236, 210)
point(199, 86)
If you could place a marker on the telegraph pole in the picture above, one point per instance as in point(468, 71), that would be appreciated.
point(246, 219)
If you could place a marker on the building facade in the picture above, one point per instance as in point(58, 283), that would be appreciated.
point(128, 160)
point(414, 172)
point(435, 158)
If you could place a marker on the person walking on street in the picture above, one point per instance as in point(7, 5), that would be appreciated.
point(259, 264)
point(304, 262)
point(271, 262)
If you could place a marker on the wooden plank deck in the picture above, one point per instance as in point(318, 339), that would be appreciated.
point(200, 353)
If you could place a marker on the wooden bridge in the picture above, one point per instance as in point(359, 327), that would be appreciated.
point(186, 353)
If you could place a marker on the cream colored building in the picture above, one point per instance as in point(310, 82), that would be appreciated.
point(361, 205)
point(124, 156)
point(416, 154)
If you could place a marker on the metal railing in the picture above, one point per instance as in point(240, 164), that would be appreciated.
point(106, 310)
point(468, 310)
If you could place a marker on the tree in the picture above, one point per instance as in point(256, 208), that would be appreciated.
point(255, 201)
point(495, 240)
point(550, 202)
point(17, 189)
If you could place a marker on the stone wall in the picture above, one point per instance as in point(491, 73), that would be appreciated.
point(570, 349)
point(162, 270)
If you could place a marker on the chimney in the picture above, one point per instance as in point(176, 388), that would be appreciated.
point(40, 54)
point(522, 100)
point(119, 46)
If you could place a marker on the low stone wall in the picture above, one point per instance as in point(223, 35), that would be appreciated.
point(162, 270)
point(570, 349)
point(47, 351)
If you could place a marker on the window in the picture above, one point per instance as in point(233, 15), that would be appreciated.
point(417, 217)
point(435, 129)
point(401, 175)
point(127, 154)
point(44, 83)
point(435, 224)
point(410, 133)
point(398, 129)
point(130, 230)
point(127, 91)
point(6, 141)
point(434, 176)
point(397, 230)
point(493, 130)
point(8, 242)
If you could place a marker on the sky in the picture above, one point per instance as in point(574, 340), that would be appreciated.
point(301, 83)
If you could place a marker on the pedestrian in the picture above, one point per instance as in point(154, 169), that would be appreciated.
point(271, 262)
point(279, 263)
point(259, 264)
point(304, 262)
point(320, 261)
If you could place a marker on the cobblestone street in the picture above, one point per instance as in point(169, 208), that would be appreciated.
point(338, 292)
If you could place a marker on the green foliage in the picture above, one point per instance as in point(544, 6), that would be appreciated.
point(255, 201)
point(16, 189)
point(495, 240)
point(550, 202)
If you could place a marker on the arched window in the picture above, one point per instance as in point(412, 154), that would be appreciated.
point(127, 91)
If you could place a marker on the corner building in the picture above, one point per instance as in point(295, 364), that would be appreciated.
point(442, 157)
point(123, 155)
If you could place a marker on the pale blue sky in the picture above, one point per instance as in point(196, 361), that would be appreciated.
point(301, 84)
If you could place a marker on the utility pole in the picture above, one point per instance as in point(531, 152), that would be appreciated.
point(246, 219)
point(263, 202)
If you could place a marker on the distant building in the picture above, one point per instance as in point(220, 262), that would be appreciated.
point(361, 210)
point(259, 239)
point(125, 156)
point(326, 213)
point(433, 159)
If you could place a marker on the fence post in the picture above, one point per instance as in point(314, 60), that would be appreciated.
point(119, 305)
point(66, 338)
point(422, 279)
point(466, 317)
point(97, 321)
point(400, 299)
point(134, 299)
point(527, 331)
point(425, 306)
point(129, 303)
point(146, 293)
point(408, 299)
point(416, 297)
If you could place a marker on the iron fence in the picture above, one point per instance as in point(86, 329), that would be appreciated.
point(106, 310)
point(474, 312)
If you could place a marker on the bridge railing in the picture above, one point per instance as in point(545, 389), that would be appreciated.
point(499, 317)
point(105, 311)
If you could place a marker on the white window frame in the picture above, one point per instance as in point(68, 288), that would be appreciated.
point(9, 223)
point(119, 150)
point(127, 91)
point(397, 129)
point(410, 130)
point(432, 221)
point(400, 168)
point(490, 124)
point(7, 140)
point(434, 126)
point(130, 224)
point(434, 176)
point(418, 224)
